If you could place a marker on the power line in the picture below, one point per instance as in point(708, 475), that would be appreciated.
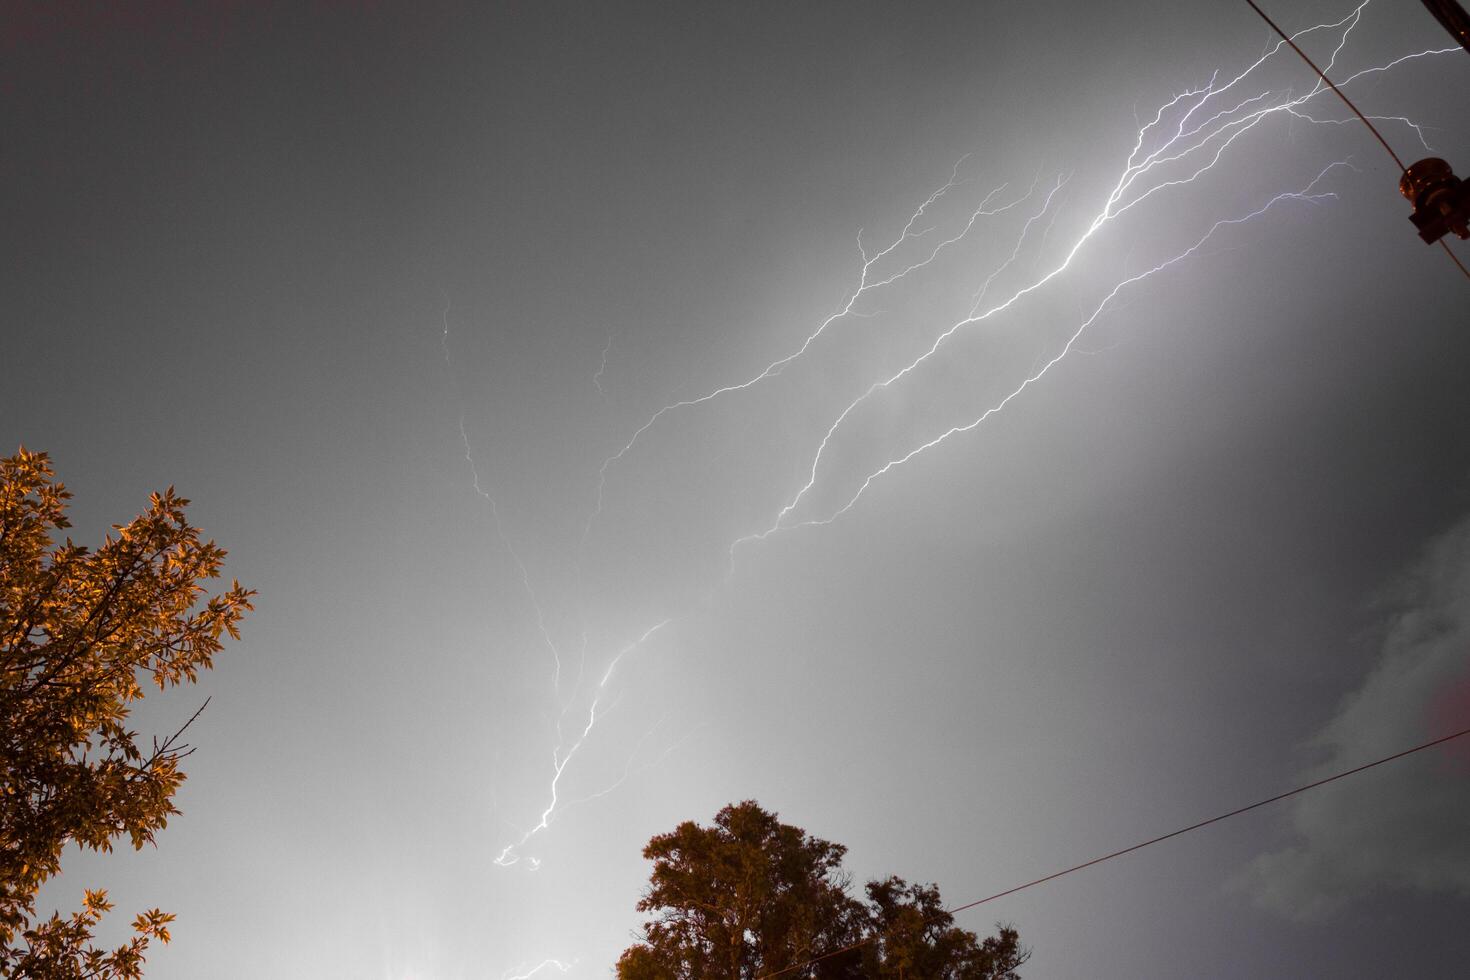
point(1322, 75)
point(1453, 257)
point(1128, 850)
point(1349, 103)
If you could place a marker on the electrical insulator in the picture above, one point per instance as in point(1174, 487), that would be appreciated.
point(1441, 200)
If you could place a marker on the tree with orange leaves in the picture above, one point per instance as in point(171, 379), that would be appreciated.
point(751, 897)
point(81, 632)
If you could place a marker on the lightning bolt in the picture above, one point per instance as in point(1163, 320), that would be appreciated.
point(1198, 124)
point(1171, 151)
point(1204, 125)
point(1219, 130)
point(560, 760)
point(1302, 195)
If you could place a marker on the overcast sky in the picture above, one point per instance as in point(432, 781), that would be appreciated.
point(389, 290)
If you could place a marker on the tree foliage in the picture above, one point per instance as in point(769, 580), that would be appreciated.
point(81, 632)
point(913, 936)
point(750, 896)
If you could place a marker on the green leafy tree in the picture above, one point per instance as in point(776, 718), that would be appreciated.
point(81, 631)
point(751, 896)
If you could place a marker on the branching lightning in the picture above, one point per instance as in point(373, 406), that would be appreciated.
point(1304, 194)
point(864, 286)
point(559, 759)
point(1198, 125)
point(1213, 136)
point(1171, 152)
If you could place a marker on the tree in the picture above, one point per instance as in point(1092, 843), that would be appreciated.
point(913, 936)
point(751, 896)
point(80, 631)
point(744, 897)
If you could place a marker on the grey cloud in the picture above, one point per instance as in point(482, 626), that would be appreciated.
point(1406, 825)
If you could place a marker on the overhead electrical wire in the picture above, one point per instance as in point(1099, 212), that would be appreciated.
point(1349, 103)
point(1130, 849)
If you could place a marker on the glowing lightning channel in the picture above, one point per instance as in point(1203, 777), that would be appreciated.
point(629, 771)
point(864, 286)
point(469, 458)
point(527, 975)
point(984, 290)
point(1302, 195)
point(597, 376)
point(560, 760)
point(1224, 125)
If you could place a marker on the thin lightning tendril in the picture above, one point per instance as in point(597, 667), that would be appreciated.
point(597, 376)
point(528, 974)
point(560, 760)
point(776, 367)
point(475, 482)
point(628, 769)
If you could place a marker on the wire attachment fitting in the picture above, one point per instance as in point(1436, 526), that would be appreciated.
point(1441, 200)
